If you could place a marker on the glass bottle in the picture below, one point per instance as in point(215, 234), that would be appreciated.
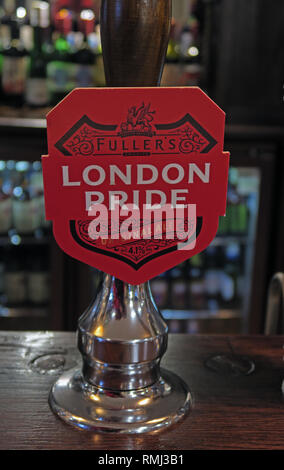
point(5, 18)
point(60, 68)
point(85, 58)
point(36, 89)
point(14, 68)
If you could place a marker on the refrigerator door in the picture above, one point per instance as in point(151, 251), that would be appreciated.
point(211, 291)
point(223, 289)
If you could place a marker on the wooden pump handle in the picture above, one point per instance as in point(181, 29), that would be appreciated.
point(135, 36)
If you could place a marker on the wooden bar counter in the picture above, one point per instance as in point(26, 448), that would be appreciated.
point(235, 383)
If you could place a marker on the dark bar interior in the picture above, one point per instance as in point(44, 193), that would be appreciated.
point(223, 307)
point(232, 50)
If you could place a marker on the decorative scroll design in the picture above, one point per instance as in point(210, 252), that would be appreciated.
point(190, 141)
point(136, 135)
point(82, 142)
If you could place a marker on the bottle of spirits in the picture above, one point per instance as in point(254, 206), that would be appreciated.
point(14, 68)
point(85, 58)
point(94, 40)
point(60, 68)
point(5, 18)
point(36, 89)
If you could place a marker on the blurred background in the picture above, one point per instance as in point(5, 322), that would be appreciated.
point(233, 50)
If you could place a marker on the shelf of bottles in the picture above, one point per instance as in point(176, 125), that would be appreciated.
point(24, 241)
point(184, 59)
point(49, 48)
point(46, 50)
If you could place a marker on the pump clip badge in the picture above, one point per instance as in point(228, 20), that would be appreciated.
point(135, 179)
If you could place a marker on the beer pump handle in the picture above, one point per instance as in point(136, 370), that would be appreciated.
point(122, 335)
point(134, 43)
point(134, 38)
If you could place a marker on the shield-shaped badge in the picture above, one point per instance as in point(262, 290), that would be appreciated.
point(135, 179)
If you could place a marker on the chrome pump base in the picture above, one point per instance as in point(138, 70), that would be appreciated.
point(121, 387)
point(134, 411)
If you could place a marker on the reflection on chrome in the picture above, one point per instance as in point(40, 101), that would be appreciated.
point(122, 338)
point(144, 401)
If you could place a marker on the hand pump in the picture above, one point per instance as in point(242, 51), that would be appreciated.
point(122, 335)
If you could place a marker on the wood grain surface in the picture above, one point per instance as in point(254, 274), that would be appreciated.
point(236, 405)
point(134, 41)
